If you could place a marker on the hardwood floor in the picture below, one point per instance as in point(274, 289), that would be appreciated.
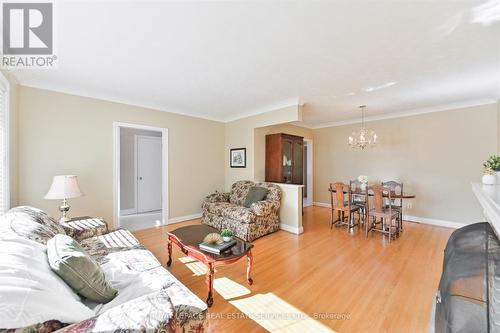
point(341, 282)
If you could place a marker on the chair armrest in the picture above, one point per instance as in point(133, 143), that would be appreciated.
point(85, 228)
point(265, 207)
point(217, 197)
point(149, 313)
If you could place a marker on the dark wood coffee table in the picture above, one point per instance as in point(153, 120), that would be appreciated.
point(189, 237)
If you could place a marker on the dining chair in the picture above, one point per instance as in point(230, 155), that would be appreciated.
point(358, 197)
point(396, 204)
point(342, 205)
point(389, 223)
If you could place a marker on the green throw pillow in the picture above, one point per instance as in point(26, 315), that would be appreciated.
point(78, 269)
point(255, 194)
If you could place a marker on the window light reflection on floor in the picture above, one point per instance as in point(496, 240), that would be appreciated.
point(228, 289)
point(185, 260)
point(276, 315)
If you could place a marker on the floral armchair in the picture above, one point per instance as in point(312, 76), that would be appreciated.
point(226, 211)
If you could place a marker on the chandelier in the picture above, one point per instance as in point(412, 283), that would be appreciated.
point(364, 137)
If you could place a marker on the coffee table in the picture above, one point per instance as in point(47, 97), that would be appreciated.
point(189, 237)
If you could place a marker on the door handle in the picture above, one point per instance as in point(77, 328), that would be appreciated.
point(140, 178)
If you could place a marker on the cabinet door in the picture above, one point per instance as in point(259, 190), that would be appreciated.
point(298, 160)
point(287, 161)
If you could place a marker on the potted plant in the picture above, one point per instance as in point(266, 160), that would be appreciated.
point(227, 235)
point(488, 177)
point(492, 167)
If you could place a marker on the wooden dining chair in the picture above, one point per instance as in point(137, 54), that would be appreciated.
point(389, 219)
point(396, 204)
point(342, 206)
point(358, 197)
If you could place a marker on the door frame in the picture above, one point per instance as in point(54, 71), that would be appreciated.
point(116, 168)
point(310, 185)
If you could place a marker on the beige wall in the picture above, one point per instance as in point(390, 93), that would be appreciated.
point(67, 134)
point(435, 155)
point(13, 137)
point(260, 144)
point(240, 134)
point(498, 126)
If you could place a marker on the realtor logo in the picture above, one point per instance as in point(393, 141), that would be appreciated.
point(28, 35)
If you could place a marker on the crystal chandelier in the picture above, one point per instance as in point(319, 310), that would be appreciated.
point(364, 137)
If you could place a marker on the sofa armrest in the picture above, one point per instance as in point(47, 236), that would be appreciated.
point(85, 228)
point(217, 197)
point(149, 313)
point(265, 207)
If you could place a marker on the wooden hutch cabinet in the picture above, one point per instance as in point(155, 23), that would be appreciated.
point(284, 158)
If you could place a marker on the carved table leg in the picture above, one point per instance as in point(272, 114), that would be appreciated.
point(209, 278)
point(169, 246)
point(249, 267)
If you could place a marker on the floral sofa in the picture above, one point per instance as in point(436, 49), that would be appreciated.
point(149, 298)
point(226, 211)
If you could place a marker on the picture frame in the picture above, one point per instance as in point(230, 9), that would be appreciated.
point(238, 158)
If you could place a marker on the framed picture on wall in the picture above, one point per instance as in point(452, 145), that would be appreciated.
point(238, 158)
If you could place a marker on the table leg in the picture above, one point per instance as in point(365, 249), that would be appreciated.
point(209, 278)
point(169, 246)
point(249, 267)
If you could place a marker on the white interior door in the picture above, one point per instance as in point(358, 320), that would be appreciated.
point(149, 182)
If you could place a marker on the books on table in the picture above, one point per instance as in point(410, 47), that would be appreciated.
point(215, 248)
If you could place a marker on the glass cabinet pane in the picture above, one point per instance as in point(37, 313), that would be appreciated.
point(298, 158)
point(287, 161)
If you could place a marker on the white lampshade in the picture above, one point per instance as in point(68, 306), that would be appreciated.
point(64, 187)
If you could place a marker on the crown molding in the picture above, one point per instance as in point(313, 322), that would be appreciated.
point(408, 113)
point(296, 101)
point(120, 100)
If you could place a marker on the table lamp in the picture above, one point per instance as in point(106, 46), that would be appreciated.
point(64, 187)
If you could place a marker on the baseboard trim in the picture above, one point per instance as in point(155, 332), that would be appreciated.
point(130, 211)
point(292, 229)
point(180, 219)
point(415, 219)
point(322, 204)
point(439, 223)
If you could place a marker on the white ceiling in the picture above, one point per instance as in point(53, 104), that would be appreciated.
point(223, 60)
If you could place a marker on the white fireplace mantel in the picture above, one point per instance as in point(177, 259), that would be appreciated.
point(489, 198)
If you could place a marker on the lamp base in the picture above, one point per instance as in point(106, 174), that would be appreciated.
point(64, 209)
point(64, 219)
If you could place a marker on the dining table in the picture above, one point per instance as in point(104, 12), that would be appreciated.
point(394, 194)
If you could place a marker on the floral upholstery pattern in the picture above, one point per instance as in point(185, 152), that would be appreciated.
point(251, 223)
point(239, 191)
point(218, 197)
point(85, 228)
point(263, 208)
point(30, 223)
point(157, 315)
point(165, 306)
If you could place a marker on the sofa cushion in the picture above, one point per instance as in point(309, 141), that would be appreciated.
point(217, 208)
point(39, 216)
point(100, 247)
point(30, 292)
point(26, 223)
point(230, 211)
point(239, 213)
point(255, 194)
point(239, 191)
point(78, 269)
